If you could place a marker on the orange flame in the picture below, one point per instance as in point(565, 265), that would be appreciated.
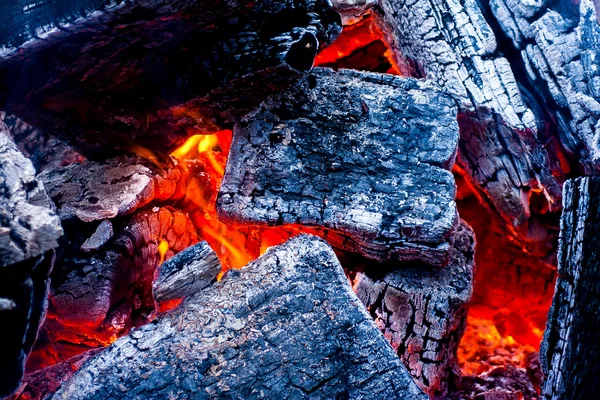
point(163, 247)
point(205, 157)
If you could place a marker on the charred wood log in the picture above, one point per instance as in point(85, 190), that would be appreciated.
point(121, 74)
point(358, 153)
point(422, 312)
point(29, 232)
point(570, 352)
point(288, 325)
point(557, 46)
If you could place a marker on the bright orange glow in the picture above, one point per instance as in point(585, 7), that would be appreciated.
point(494, 339)
point(205, 156)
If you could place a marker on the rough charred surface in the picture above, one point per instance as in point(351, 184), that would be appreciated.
point(422, 312)
point(556, 44)
point(106, 76)
point(97, 297)
point(287, 325)
point(508, 165)
point(452, 45)
point(359, 153)
point(28, 225)
point(24, 289)
point(188, 272)
point(40, 384)
point(29, 233)
point(92, 191)
point(570, 351)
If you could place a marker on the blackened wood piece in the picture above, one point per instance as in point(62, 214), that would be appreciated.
point(422, 312)
point(100, 296)
point(360, 153)
point(92, 191)
point(286, 326)
point(28, 225)
point(570, 351)
point(121, 75)
point(186, 273)
point(25, 284)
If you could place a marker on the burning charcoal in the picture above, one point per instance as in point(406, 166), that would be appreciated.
point(423, 311)
point(286, 326)
point(358, 153)
point(97, 297)
point(502, 383)
point(92, 191)
point(186, 273)
point(29, 232)
point(109, 78)
point(570, 351)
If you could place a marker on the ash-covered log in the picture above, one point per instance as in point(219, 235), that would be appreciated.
point(570, 351)
point(362, 154)
point(286, 326)
point(29, 233)
point(423, 312)
point(108, 76)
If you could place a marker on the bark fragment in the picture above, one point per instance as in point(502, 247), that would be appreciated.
point(570, 351)
point(422, 312)
point(186, 273)
point(288, 325)
point(362, 154)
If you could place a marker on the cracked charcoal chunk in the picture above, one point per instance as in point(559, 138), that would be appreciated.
point(188, 272)
point(570, 350)
point(423, 311)
point(456, 49)
point(108, 81)
point(98, 297)
point(362, 154)
point(91, 191)
point(559, 46)
point(507, 164)
point(286, 326)
point(28, 225)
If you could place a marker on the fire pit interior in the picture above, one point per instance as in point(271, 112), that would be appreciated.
point(299, 199)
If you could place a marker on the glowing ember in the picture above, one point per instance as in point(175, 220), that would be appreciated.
point(493, 340)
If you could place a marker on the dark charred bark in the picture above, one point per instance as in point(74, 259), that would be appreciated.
point(570, 351)
point(29, 233)
point(361, 154)
point(121, 77)
point(423, 311)
point(286, 326)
